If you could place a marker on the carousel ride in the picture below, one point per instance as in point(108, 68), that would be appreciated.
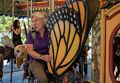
point(68, 26)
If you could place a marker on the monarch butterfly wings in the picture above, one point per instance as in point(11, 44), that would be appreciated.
point(64, 34)
point(68, 29)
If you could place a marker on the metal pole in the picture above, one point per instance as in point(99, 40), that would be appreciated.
point(51, 6)
point(28, 11)
point(13, 8)
point(31, 7)
point(11, 69)
point(5, 5)
point(11, 60)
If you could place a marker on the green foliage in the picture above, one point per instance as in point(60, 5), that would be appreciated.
point(5, 23)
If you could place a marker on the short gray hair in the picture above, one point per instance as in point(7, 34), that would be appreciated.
point(40, 15)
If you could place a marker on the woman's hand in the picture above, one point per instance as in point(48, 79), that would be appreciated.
point(46, 58)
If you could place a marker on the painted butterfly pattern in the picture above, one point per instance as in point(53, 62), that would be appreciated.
point(67, 28)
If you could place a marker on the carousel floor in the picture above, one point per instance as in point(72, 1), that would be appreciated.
point(17, 74)
point(17, 78)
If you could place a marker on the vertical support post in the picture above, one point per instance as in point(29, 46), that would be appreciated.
point(28, 11)
point(11, 60)
point(11, 69)
point(102, 51)
point(51, 6)
point(5, 5)
point(31, 7)
point(13, 9)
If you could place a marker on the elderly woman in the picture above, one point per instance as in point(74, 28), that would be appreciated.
point(37, 47)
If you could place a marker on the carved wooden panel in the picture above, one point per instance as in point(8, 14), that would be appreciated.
point(110, 24)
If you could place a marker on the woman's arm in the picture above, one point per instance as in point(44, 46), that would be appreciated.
point(36, 55)
point(31, 52)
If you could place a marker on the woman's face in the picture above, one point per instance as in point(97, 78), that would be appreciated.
point(18, 23)
point(38, 23)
